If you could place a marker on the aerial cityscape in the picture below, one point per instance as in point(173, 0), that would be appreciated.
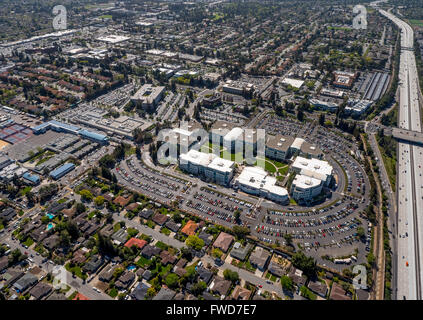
point(211, 150)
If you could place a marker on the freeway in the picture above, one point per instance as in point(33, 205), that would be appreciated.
point(410, 180)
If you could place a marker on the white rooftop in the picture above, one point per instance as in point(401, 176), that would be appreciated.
point(233, 135)
point(298, 142)
point(221, 165)
point(306, 182)
point(293, 82)
point(257, 178)
point(113, 39)
point(198, 158)
point(314, 168)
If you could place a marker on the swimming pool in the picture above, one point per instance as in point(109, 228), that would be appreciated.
point(132, 267)
point(50, 215)
point(49, 226)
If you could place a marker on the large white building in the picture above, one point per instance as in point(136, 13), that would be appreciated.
point(220, 170)
point(256, 181)
point(314, 168)
point(148, 95)
point(208, 165)
point(305, 188)
point(312, 176)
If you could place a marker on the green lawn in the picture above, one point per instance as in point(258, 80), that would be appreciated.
point(142, 262)
point(284, 170)
point(165, 231)
point(161, 245)
point(28, 242)
point(77, 270)
point(415, 22)
point(292, 201)
point(113, 293)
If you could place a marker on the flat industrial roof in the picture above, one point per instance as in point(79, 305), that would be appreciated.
point(279, 142)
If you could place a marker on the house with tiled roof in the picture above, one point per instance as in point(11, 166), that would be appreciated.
point(190, 228)
point(139, 243)
point(121, 201)
point(80, 296)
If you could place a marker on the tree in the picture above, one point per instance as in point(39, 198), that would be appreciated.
point(360, 233)
point(217, 253)
point(80, 208)
point(231, 275)
point(194, 242)
point(240, 232)
point(172, 280)
point(288, 239)
point(99, 201)
point(322, 119)
point(198, 288)
point(300, 115)
point(86, 195)
point(237, 215)
point(287, 284)
point(307, 264)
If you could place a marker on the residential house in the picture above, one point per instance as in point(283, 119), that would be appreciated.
point(204, 274)
point(25, 282)
point(190, 228)
point(338, 293)
point(125, 280)
point(259, 258)
point(172, 226)
point(150, 251)
point(239, 252)
point(41, 290)
point(167, 258)
point(220, 285)
point(140, 291)
point(318, 287)
point(165, 294)
point(160, 219)
point(139, 243)
point(146, 213)
point(93, 264)
point(223, 241)
point(241, 293)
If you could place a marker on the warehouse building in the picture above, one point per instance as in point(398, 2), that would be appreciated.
point(62, 170)
point(31, 179)
point(64, 127)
